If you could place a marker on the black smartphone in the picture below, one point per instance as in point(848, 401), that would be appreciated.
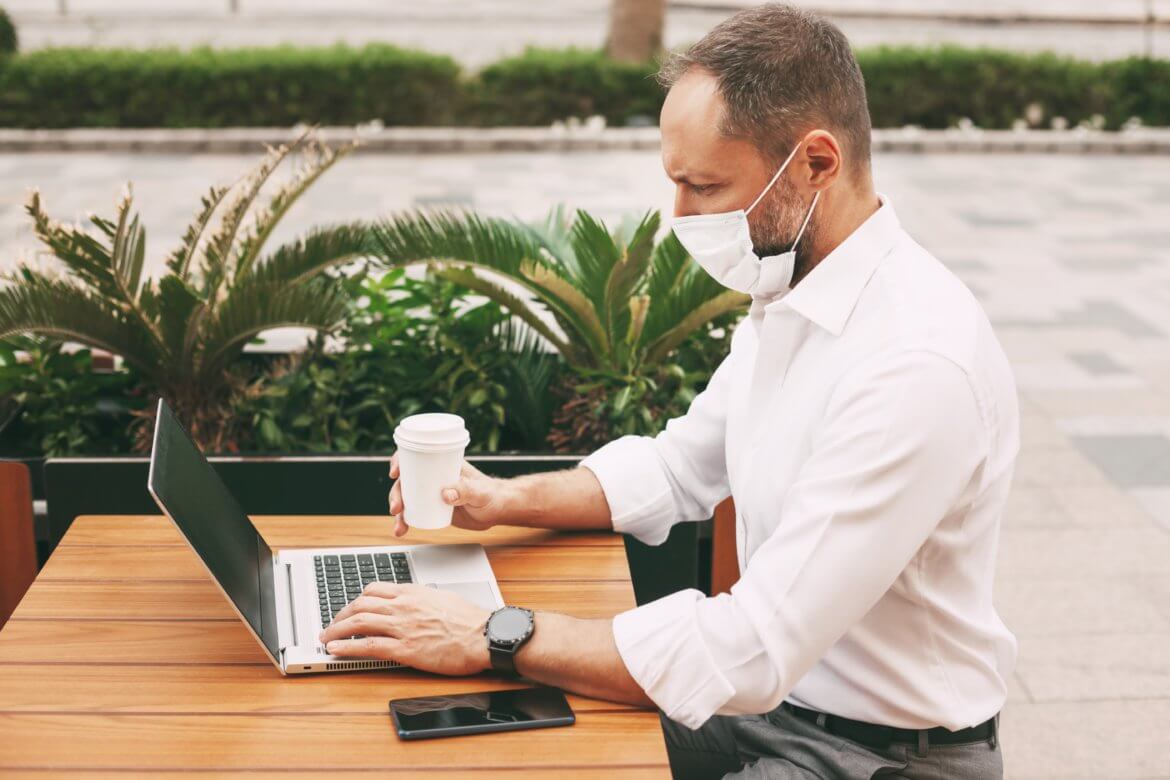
point(475, 713)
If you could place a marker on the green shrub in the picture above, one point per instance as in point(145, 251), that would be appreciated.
point(410, 345)
point(340, 85)
point(1141, 88)
point(53, 403)
point(216, 88)
point(937, 87)
point(8, 40)
point(542, 85)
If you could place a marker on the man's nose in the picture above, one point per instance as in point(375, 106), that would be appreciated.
point(683, 205)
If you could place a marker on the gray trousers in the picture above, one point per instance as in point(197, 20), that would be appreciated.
point(780, 746)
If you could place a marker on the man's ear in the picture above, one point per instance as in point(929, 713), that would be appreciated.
point(823, 153)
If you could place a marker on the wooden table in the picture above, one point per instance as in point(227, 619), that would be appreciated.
point(124, 656)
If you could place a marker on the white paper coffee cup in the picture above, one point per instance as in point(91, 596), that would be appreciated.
point(430, 452)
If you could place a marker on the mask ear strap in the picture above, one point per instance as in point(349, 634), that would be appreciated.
point(774, 178)
point(807, 217)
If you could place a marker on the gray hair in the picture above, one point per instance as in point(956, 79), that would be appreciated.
point(780, 71)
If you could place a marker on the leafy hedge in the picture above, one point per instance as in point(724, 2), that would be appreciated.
point(8, 41)
point(542, 85)
point(931, 87)
point(223, 88)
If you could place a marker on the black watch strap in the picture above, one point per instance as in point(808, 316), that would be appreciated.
point(503, 657)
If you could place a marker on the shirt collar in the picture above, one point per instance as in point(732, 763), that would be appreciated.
point(828, 295)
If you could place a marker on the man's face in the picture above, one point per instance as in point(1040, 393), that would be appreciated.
point(714, 173)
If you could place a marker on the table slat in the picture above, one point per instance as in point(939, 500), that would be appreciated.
point(241, 742)
point(169, 562)
point(315, 531)
point(81, 688)
point(129, 642)
point(200, 599)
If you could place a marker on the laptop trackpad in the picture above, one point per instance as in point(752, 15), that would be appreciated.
point(476, 592)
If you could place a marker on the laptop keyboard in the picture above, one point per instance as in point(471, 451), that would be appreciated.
point(340, 578)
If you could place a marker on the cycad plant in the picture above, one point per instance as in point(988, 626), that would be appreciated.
point(181, 333)
point(619, 302)
point(616, 305)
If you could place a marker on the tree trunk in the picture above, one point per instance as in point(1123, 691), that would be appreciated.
point(635, 29)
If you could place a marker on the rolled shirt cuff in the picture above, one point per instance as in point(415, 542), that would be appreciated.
point(637, 491)
point(665, 653)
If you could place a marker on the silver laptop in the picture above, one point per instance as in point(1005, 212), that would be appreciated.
point(285, 598)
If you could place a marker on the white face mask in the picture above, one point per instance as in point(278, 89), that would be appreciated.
point(722, 245)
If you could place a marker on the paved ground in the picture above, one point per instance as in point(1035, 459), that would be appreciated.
point(1070, 256)
point(484, 30)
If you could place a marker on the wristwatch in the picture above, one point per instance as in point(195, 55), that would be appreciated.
point(507, 629)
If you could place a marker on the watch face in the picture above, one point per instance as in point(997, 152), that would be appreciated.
point(508, 625)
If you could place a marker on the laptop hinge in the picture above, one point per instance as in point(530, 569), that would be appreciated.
point(292, 604)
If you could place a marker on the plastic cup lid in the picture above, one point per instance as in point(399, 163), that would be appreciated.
point(433, 430)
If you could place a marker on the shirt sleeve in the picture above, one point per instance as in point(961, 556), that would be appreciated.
point(901, 443)
point(651, 483)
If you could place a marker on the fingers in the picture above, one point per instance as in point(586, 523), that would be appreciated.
point(396, 499)
point(384, 590)
point(394, 466)
point(473, 492)
point(380, 647)
point(396, 507)
point(367, 603)
point(363, 623)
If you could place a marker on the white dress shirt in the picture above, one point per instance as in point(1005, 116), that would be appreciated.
point(866, 424)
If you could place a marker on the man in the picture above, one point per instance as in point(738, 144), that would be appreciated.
point(865, 421)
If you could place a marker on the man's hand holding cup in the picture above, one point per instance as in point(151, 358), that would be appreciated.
point(432, 477)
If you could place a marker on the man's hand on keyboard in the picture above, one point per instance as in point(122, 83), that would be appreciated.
point(426, 628)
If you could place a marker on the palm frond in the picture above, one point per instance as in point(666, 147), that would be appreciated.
point(254, 307)
point(176, 305)
point(492, 243)
point(678, 287)
point(217, 254)
point(128, 251)
point(179, 260)
point(627, 275)
point(319, 158)
point(85, 256)
point(574, 311)
point(113, 273)
point(552, 233)
point(596, 254)
point(669, 340)
point(668, 263)
point(50, 307)
point(466, 277)
point(309, 255)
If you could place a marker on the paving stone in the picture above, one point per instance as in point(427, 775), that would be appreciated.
point(1098, 363)
point(1094, 667)
point(1078, 606)
point(1104, 740)
point(1130, 461)
point(1058, 554)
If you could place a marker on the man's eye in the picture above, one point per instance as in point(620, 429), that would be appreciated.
point(702, 189)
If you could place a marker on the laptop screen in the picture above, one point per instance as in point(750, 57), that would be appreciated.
point(191, 492)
